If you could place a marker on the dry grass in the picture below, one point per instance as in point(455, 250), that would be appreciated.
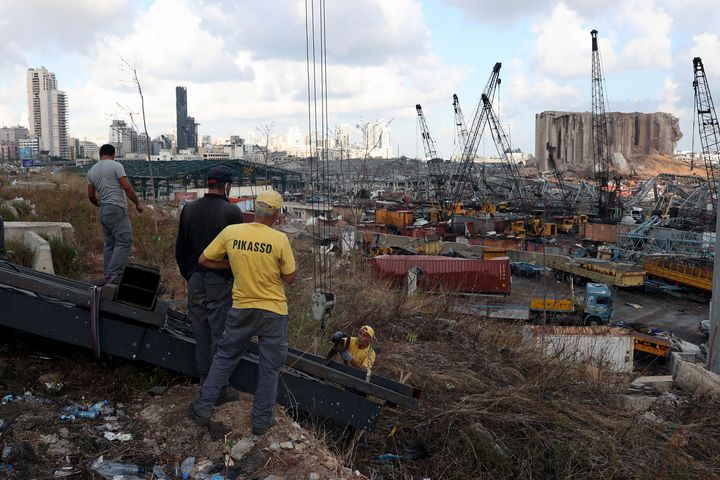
point(491, 406)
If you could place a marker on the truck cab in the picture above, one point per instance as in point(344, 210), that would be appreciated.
point(598, 304)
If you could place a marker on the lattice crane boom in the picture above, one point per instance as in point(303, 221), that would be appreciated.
point(502, 144)
point(708, 127)
point(465, 168)
point(460, 127)
point(601, 149)
point(428, 142)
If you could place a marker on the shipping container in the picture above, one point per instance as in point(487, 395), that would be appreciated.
point(599, 232)
point(499, 242)
point(449, 274)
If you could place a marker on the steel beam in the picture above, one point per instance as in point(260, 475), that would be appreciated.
point(68, 323)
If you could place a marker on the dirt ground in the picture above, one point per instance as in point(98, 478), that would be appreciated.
point(44, 377)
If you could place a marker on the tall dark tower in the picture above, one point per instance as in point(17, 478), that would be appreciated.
point(186, 126)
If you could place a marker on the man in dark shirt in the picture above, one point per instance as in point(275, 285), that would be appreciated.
point(209, 291)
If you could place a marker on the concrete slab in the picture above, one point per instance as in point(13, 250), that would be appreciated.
point(637, 403)
point(16, 230)
point(677, 357)
point(659, 383)
point(698, 380)
point(41, 248)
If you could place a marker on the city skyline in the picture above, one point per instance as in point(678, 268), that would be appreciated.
point(242, 73)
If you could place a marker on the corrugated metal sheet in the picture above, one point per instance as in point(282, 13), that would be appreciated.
point(445, 273)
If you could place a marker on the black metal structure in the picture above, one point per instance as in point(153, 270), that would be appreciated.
point(708, 128)
point(59, 308)
point(601, 148)
point(564, 193)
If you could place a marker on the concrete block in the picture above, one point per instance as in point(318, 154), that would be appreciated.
point(677, 357)
point(659, 383)
point(43, 256)
point(698, 380)
point(637, 403)
point(16, 230)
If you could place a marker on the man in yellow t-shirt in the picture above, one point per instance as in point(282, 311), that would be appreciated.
point(261, 260)
point(359, 352)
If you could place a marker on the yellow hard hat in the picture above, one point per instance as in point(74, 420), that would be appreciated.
point(369, 330)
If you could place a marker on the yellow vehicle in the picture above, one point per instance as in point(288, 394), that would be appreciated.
point(517, 227)
point(503, 207)
point(535, 227)
point(566, 225)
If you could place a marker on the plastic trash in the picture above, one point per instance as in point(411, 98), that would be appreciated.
point(70, 410)
point(3, 425)
point(387, 457)
point(111, 469)
point(67, 418)
point(98, 406)
point(186, 467)
point(84, 414)
point(209, 476)
point(6, 467)
point(159, 473)
point(6, 453)
point(7, 399)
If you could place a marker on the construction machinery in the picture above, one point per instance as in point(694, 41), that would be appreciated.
point(596, 309)
point(464, 175)
point(460, 127)
point(601, 147)
point(517, 192)
point(708, 129)
point(692, 272)
point(434, 163)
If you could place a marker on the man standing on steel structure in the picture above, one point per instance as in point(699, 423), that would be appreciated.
point(209, 291)
point(107, 187)
point(261, 260)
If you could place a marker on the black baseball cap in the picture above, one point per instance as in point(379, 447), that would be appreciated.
point(219, 174)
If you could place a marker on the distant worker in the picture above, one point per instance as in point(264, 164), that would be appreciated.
point(261, 260)
point(107, 187)
point(356, 351)
point(209, 291)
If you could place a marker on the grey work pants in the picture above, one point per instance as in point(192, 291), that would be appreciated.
point(209, 299)
point(241, 325)
point(118, 239)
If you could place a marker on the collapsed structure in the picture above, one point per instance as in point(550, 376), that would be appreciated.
point(629, 134)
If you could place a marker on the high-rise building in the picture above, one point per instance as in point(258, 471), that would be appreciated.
point(187, 134)
point(123, 137)
point(47, 112)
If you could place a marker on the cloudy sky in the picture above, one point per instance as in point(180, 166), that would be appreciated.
point(243, 61)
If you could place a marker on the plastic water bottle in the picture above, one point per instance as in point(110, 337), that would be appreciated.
point(186, 467)
point(83, 414)
point(110, 469)
point(99, 406)
point(70, 410)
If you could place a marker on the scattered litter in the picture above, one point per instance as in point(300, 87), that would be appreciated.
point(123, 437)
point(159, 473)
point(6, 467)
point(110, 470)
point(6, 453)
point(387, 457)
point(3, 425)
point(636, 306)
point(186, 467)
point(54, 387)
point(7, 399)
point(97, 407)
point(65, 472)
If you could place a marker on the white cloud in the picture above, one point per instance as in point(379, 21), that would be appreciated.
point(651, 47)
point(707, 47)
point(669, 99)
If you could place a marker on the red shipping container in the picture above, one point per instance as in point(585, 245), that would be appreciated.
point(446, 273)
